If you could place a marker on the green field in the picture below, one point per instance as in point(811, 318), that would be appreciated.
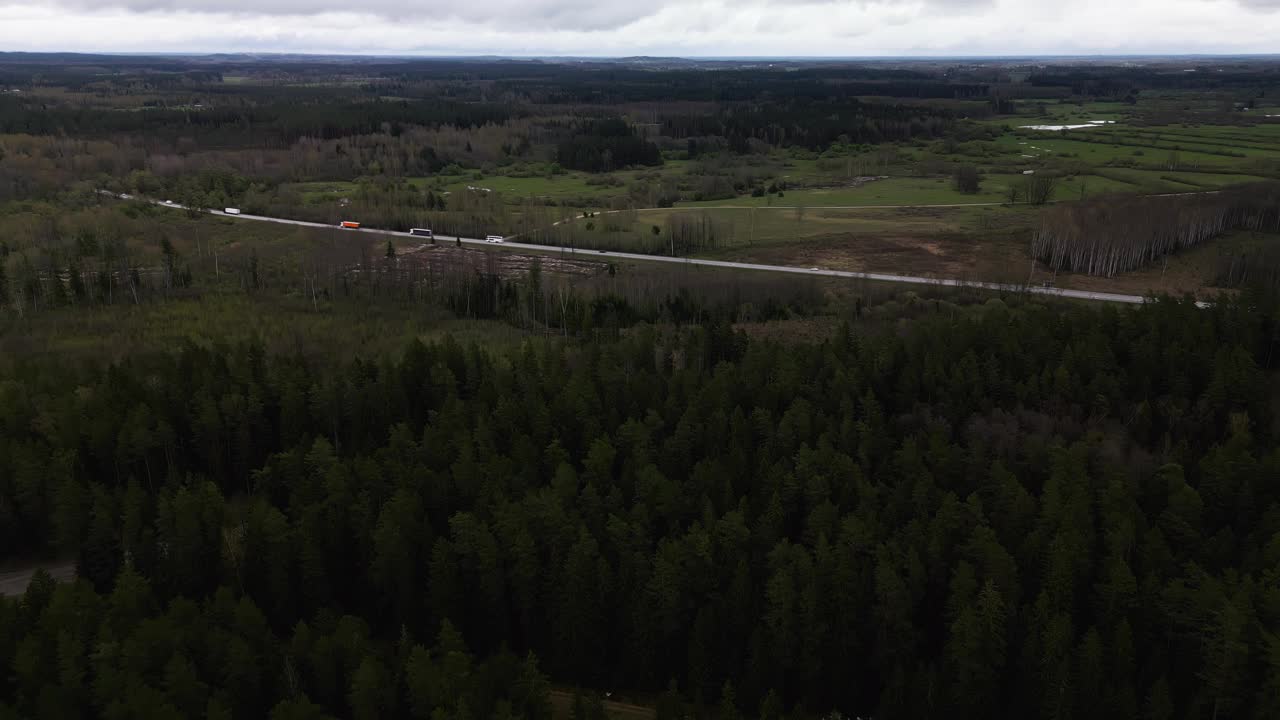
point(893, 191)
point(1047, 145)
point(574, 187)
point(783, 225)
point(861, 207)
point(1107, 159)
point(955, 241)
point(323, 191)
point(1261, 143)
point(1166, 181)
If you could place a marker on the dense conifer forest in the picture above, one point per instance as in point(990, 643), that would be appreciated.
point(1001, 510)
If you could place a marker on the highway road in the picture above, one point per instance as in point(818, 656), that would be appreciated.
point(789, 269)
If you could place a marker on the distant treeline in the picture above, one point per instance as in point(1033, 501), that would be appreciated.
point(281, 122)
point(605, 145)
point(1114, 234)
point(1114, 81)
point(813, 124)
point(618, 84)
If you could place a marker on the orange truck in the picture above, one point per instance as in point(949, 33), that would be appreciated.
point(349, 224)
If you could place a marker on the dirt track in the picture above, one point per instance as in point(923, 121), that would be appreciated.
point(562, 703)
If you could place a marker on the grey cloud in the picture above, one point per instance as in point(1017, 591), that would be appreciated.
point(948, 4)
point(574, 15)
point(504, 15)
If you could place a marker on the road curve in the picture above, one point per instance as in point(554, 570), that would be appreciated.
point(815, 272)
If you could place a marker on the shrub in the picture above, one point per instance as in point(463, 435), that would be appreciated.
point(967, 179)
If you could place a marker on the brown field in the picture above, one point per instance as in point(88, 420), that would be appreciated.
point(927, 243)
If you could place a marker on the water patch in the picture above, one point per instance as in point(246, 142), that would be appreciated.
point(1090, 124)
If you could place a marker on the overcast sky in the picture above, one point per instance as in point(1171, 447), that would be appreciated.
point(649, 27)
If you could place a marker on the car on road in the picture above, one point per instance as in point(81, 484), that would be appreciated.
point(232, 211)
point(168, 202)
point(814, 269)
point(350, 225)
point(421, 232)
point(495, 239)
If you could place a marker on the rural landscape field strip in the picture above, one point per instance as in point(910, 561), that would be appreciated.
point(812, 271)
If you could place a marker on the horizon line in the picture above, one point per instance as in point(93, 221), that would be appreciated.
point(738, 58)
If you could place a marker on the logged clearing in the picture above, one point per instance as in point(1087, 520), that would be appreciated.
point(943, 256)
point(444, 257)
point(988, 243)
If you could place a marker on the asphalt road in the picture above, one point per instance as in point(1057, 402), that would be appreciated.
point(812, 271)
point(15, 582)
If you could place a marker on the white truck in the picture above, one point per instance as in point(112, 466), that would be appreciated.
point(232, 211)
